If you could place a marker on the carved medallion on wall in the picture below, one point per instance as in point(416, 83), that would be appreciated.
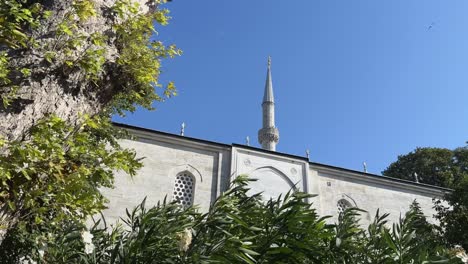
point(293, 171)
point(247, 162)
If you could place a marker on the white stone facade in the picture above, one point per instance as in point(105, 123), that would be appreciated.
point(212, 165)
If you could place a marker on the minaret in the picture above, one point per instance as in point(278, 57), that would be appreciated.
point(268, 136)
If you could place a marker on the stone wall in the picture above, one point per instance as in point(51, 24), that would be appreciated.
point(213, 165)
point(369, 192)
point(164, 157)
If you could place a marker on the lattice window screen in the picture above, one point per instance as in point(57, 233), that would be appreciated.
point(183, 189)
point(343, 204)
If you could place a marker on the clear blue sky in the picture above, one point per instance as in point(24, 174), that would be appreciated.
point(354, 81)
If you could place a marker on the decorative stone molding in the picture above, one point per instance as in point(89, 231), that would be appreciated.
point(293, 171)
point(189, 168)
point(277, 172)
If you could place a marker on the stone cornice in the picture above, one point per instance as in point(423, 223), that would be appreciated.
point(393, 183)
point(158, 136)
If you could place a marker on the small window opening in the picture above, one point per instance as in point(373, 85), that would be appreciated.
point(184, 189)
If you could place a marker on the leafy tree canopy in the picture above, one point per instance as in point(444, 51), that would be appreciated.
point(446, 168)
point(435, 166)
point(453, 215)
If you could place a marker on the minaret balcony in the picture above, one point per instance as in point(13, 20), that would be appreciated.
point(268, 134)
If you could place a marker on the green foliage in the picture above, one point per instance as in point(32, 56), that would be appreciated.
point(92, 62)
point(435, 166)
point(4, 80)
point(140, 57)
point(3, 69)
point(446, 168)
point(15, 16)
point(405, 244)
point(56, 175)
point(241, 228)
point(73, 49)
point(453, 215)
point(84, 9)
point(52, 180)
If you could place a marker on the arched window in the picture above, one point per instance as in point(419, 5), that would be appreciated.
point(342, 205)
point(184, 187)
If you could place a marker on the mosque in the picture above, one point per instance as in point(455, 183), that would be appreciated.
point(194, 171)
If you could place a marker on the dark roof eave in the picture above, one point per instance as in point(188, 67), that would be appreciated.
point(170, 134)
point(382, 177)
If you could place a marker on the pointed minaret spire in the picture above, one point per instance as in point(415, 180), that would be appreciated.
point(268, 95)
point(268, 136)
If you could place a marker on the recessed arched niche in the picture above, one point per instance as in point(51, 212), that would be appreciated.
point(270, 181)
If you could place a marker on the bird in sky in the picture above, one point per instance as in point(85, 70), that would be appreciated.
point(431, 26)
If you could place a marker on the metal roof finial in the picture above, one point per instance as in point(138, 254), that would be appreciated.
point(182, 128)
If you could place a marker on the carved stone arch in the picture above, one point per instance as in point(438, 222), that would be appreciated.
point(278, 172)
point(352, 202)
point(343, 202)
point(189, 168)
point(271, 182)
point(347, 198)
